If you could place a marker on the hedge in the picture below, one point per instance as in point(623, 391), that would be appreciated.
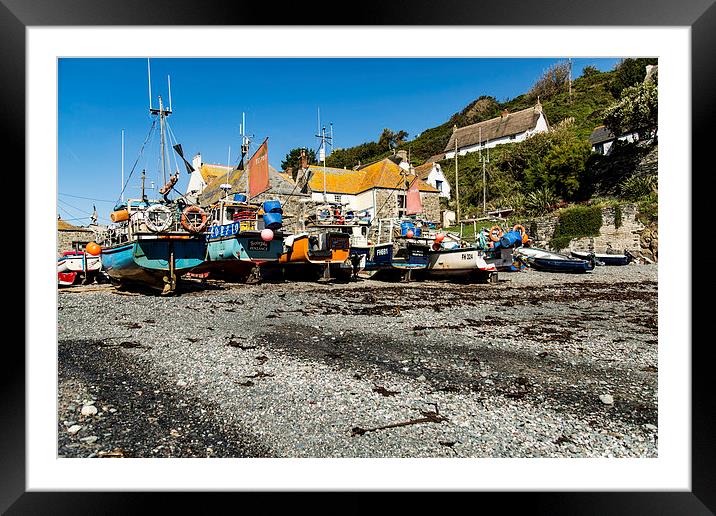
point(576, 222)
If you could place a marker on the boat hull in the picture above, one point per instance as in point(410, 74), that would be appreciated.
point(565, 266)
point(303, 250)
point(606, 259)
point(461, 263)
point(236, 256)
point(148, 261)
point(548, 261)
point(78, 262)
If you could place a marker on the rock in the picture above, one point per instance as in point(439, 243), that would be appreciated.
point(650, 427)
point(74, 429)
point(88, 410)
point(89, 439)
point(181, 383)
point(421, 378)
point(607, 399)
point(484, 374)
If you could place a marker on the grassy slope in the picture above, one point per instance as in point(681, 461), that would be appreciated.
point(590, 96)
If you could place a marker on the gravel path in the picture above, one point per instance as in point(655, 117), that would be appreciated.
point(539, 365)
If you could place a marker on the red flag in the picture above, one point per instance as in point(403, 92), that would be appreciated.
point(413, 204)
point(258, 171)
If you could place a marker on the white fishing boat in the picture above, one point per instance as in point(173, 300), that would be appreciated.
point(77, 266)
point(467, 263)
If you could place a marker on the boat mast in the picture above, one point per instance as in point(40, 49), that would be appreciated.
point(122, 185)
point(161, 130)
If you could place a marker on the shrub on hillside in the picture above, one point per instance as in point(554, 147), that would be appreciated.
point(576, 222)
point(637, 188)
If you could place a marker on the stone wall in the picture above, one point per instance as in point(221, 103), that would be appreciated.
point(65, 239)
point(631, 235)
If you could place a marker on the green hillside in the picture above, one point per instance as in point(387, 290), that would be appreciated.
point(590, 95)
point(547, 170)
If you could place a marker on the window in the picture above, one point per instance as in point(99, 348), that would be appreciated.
point(439, 185)
point(401, 204)
point(337, 198)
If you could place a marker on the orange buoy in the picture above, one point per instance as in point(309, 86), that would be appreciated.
point(525, 238)
point(439, 237)
point(495, 233)
point(520, 228)
point(119, 215)
point(93, 248)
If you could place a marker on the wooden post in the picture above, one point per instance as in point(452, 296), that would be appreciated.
point(457, 185)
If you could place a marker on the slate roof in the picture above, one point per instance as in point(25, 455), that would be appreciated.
point(600, 134)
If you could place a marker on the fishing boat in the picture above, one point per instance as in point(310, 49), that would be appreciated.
point(154, 245)
point(391, 259)
point(459, 263)
point(548, 261)
point(77, 267)
point(606, 259)
point(242, 237)
point(153, 242)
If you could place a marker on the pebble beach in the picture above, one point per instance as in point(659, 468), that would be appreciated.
point(537, 365)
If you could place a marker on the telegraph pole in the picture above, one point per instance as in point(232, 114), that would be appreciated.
point(457, 185)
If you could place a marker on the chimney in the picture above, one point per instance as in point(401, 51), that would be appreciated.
point(196, 162)
point(454, 128)
point(538, 106)
point(304, 159)
point(289, 171)
point(505, 113)
point(402, 154)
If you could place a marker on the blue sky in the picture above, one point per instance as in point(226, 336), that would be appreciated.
point(97, 98)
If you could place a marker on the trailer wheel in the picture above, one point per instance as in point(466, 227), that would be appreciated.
point(494, 278)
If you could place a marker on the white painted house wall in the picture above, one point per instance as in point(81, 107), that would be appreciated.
point(436, 175)
point(605, 147)
point(540, 127)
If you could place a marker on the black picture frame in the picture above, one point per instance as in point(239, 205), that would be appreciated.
point(699, 15)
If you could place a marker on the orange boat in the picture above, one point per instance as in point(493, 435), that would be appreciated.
point(319, 248)
point(324, 245)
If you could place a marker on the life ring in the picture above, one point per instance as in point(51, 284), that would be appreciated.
point(158, 218)
point(190, 225)
point(495, 233)
point(520, 228)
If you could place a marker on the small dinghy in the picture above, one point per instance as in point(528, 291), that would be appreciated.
point(548, 261)
point(606, 259)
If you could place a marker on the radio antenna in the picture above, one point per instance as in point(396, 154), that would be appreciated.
point(149, 83)
point(169, 83)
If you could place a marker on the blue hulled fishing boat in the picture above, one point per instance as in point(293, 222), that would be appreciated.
point(152, 242)
point(242, 237)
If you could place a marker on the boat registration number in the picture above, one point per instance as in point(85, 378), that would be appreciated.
point(382, 251)
point(258, 245)
point(466, 256)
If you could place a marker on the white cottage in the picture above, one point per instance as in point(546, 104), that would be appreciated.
point(506, 128)
point(432, 173)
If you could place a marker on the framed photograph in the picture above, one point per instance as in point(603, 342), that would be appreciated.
point(386, 256)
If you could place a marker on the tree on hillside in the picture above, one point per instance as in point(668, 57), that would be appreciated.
point(293, 159)
point(629, 72)
point(554, 80)
point(636, 109)
point(589, 71)
point(391, 139)
point(561, 169)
